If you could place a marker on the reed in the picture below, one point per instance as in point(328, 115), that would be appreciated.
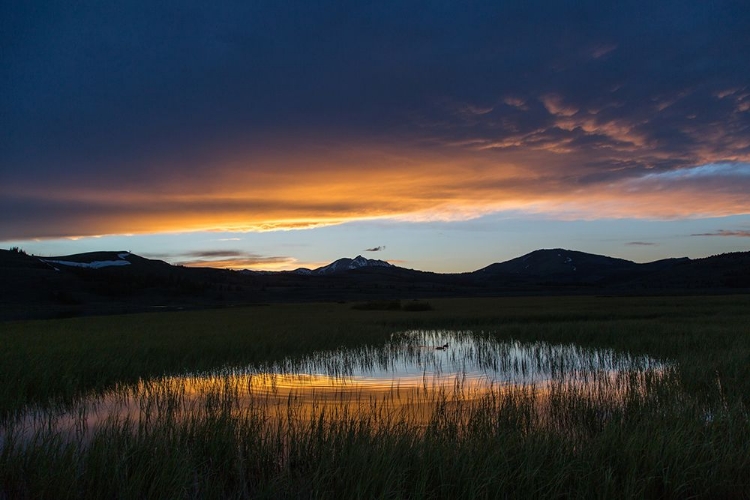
point(677, 433)
point(507, 444)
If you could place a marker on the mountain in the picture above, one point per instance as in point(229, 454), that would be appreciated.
point(122, 282)
point(559, 267)
point(729, 272)
point(558, 262)
point(99, 283)
point(101, 260)
point(343, 265)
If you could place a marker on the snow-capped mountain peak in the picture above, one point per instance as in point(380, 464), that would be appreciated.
point(347, 264)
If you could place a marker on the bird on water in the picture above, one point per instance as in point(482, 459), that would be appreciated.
point(442, 347)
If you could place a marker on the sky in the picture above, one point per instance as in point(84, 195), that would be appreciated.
point(441, 135)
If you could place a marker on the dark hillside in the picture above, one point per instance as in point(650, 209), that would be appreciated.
point(730, 271)
point(121, 282)
point(558, 262)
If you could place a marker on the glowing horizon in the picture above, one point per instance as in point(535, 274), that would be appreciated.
point(312, 201)
point(317, 128)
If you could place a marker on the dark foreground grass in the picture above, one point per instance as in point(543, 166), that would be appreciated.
point(689, 438)
point(502, 452)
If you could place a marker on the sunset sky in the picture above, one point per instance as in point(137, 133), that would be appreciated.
point(441, 136)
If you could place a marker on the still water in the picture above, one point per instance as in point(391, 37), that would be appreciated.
point(404, 379)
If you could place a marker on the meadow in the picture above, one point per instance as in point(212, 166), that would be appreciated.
point(687, 435)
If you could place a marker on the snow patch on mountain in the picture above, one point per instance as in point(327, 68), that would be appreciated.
point(97, 264)
point(342, 265)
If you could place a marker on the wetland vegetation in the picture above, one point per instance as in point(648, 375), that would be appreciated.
point(535, 397)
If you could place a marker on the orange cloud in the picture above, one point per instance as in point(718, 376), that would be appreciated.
point(316, 186)
point(556, 106)
point(267, 264)
point(231, 259)
point(726, 232)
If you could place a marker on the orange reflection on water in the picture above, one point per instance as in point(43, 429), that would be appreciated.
point(407, 381)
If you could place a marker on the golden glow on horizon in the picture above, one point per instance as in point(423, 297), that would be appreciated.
point(302, 191)
point(263, 264)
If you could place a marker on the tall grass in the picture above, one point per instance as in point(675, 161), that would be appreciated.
point(504, 444)
point(685, 436)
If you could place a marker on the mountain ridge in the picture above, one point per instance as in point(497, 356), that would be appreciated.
point(347, 264)
point(538, 262)
point(122, 282)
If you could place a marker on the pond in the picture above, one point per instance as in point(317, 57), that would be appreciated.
point(411, 379)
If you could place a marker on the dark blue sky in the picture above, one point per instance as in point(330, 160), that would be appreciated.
point(145, 117)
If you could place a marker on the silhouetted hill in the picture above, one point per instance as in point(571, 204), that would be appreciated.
point(557, 266)
point(560, 269)
point(730, 271)
point(117, 282)
point(558, 262)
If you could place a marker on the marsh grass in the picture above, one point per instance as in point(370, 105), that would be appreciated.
point(680, 435)
point(504, 444)
point(393, 305)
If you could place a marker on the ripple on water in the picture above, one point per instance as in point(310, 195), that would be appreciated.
point(407, 376)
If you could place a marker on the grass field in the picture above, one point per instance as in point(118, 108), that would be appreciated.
point(689, 436)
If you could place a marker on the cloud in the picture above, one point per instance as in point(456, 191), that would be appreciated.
point(445, 186)
point(249, 262)
point(602, 50)
point(227, 259)
point(515, 102)
point(210, 254)
point(637, 109)
point(556, 106)
point(726, 232)
point(375, 249)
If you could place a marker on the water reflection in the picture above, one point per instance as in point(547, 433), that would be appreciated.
point(412, 359)
point(404, 380)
